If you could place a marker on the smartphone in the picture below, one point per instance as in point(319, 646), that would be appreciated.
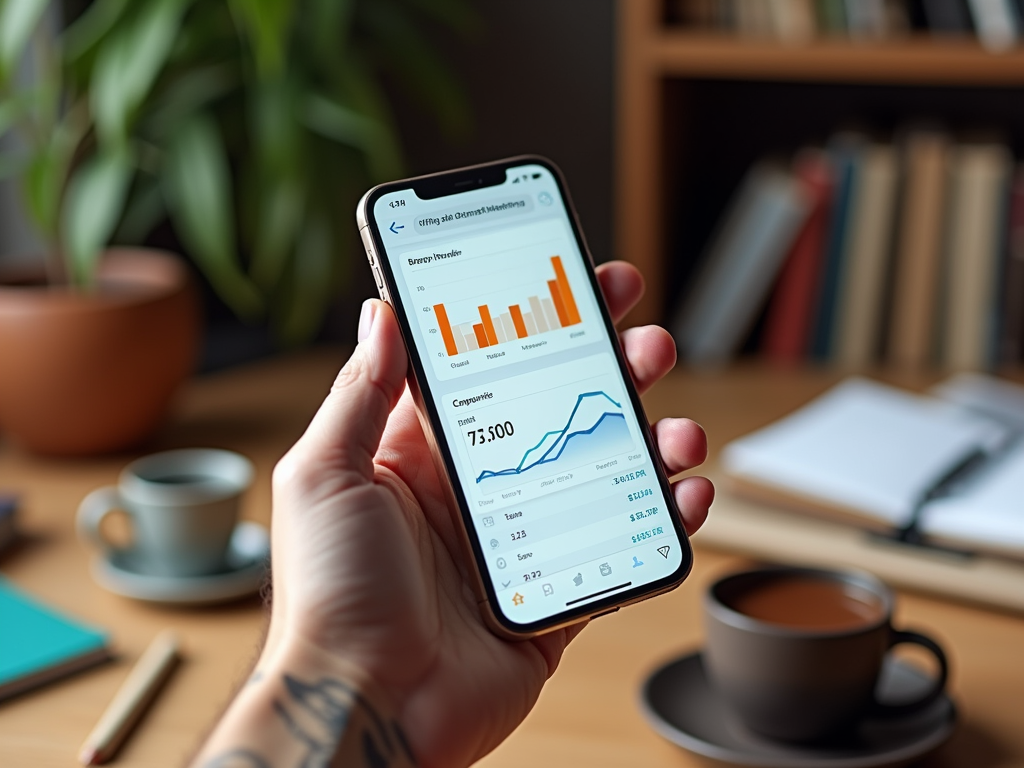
point(524, 393)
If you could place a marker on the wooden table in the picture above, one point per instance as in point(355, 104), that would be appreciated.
point(587, 715)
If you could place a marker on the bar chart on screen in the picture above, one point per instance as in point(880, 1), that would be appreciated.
point(500, 298)
point(546, 313)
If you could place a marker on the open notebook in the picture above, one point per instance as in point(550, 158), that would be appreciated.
point(947, 467)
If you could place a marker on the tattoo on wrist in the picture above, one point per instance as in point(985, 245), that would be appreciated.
point(328, 717)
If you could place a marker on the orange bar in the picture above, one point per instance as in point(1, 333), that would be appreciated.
point(481, 336)
point(485, 316)
point(517, 321)
point(563, 285)
point(446, 330)
point(556, 297)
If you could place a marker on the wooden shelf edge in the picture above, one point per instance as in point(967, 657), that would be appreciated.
point(913, 61)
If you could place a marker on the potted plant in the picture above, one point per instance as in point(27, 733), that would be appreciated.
point(250, 124)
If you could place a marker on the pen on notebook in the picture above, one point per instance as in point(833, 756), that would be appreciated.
point(131, 699)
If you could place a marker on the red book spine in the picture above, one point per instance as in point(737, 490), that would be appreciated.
point(790, 314)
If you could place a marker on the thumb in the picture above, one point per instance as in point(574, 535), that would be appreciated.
point(347, 429)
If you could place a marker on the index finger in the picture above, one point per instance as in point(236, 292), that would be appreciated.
point(622, 286)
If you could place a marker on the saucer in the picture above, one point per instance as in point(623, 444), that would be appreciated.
point(679, 703)
point(243, 574)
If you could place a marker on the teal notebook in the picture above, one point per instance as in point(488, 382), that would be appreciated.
point(38, 644)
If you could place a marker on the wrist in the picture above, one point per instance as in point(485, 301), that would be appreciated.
point(309, 706)
point(295, 655)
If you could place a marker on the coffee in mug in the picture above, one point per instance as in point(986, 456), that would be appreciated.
point(182, 505)
point(797, 652)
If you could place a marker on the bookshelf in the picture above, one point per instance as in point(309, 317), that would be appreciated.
point(654, 58)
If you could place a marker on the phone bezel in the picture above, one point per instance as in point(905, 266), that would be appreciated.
point(477, 177)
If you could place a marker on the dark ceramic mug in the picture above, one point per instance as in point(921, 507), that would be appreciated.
point(802, 683)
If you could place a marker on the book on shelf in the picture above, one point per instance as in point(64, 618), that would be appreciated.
point(1010, 345)
point(946, 17)
point(753, 18)
point(943, 468)
point(790, 314)
point(866, 19)
point(865, 252)
point(997, 24)
point(792, 20)
point(918, 251)
point(846, 149)
point(979, 178)
point(740, 265)
point(860, 300)
point(831, 16)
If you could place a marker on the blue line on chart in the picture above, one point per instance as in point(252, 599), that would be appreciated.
point(518, 470)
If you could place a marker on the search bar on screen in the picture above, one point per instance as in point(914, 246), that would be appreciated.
point(481, 213)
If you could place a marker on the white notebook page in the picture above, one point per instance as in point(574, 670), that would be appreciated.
point(864, 446)
point(989, 510)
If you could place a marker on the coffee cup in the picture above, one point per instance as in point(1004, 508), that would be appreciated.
point(182, 506)
point(797, 653)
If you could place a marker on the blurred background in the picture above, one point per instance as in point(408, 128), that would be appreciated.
point(479, 81)
point(736, 150)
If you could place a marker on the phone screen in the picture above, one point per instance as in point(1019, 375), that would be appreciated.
point(540, 431)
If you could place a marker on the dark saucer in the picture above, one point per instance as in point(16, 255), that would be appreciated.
point(679, 703)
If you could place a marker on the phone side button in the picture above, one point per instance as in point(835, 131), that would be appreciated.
point(369, 257)
point(599, 615)
point(379, 278)
point(364, 235)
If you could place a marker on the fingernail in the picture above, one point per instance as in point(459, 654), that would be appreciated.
point(366, 316)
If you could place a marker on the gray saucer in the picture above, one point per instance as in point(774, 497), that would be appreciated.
point(244, 570)
point(679, 703)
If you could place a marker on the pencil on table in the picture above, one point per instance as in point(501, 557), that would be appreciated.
point(131, 699)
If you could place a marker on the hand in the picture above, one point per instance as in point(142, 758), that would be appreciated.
point(367, 564)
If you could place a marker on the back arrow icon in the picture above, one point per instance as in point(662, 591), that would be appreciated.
point(395, 226)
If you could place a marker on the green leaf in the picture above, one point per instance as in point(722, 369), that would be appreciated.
point(128, 63)
point(13, 108)
point(11, 164)
point(275, 134)
point(266, 24)
point(311, 284)
point(198, 190)
point(48, 168)
point(409, 54)
point(87, 30)
point(192, 91)
point(95, 200)
point(328, 24)
point(280, 210)
point(18, 21)
point(42, 185)
point(348, 126)
point(144, 210)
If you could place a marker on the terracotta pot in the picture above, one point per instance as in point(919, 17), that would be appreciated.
point(92, 373)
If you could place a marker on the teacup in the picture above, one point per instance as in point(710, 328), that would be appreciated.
point(797, 653)
point(182, 505)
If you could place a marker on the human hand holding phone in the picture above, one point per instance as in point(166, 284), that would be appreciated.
point(398, 627)
point(368, 566)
